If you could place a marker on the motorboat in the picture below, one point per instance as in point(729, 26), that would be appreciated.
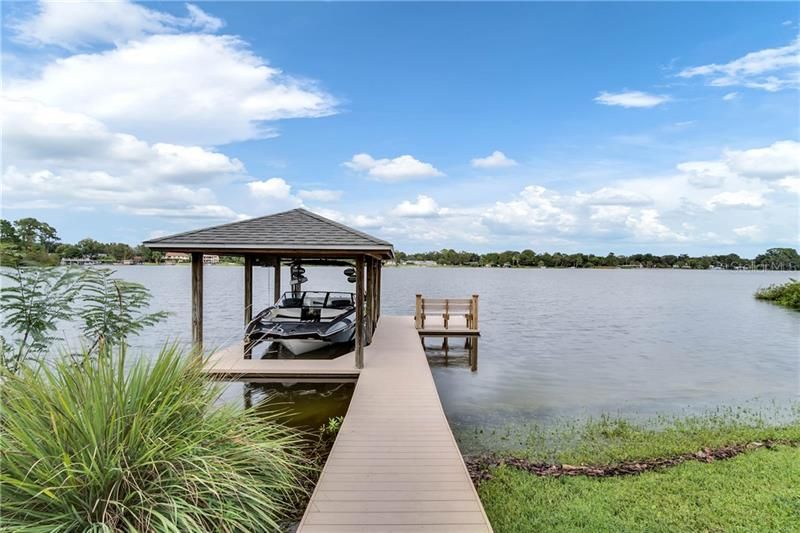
point(303, 321)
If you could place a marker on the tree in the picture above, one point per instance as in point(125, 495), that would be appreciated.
point(113, 309)
point(31, 305)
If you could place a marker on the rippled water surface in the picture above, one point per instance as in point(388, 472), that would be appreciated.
point(557, 342)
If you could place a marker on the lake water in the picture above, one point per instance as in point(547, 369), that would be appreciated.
point(555, 343)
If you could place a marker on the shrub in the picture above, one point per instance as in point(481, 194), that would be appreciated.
point(787, 294)
point(101, 447)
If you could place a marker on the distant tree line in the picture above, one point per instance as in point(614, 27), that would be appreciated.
point(29, 241)
point(772, 259)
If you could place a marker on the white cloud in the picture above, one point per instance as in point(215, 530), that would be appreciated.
point(320, 195)
point(747, 231)
point(648, 226)
point(402, 168)
point(273, 188)
point(424, 207)
point(62, 159)
point(790, 184)
point(637, 99)
point(535, 210)
point(184, 89)
point(777, 161)
point(496, 159)
point(771, 69)
point(613, 196)
point(730, 96)
point(705, 174)
point(743, 198)
point(74, 24)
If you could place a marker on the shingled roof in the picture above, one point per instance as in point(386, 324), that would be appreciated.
point(295, 232)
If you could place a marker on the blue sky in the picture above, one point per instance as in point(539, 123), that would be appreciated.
point(592, 127)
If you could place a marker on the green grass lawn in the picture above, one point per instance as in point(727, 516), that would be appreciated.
point(755, 491)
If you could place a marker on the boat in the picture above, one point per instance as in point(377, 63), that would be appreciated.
point(304, 321)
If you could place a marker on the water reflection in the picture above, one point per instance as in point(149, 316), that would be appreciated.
point(305, 406)
point(458, 352)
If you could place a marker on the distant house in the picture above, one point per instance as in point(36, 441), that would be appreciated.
point(210, 259)
point(172, 258)
point(80, 261)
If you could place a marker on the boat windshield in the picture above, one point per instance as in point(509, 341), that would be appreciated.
point(320, 299)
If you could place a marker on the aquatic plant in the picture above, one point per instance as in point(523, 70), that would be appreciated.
point(786, 294)
point(105, 446)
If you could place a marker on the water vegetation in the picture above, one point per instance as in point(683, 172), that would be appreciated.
point(786, 294)
point(104, 446)
point(699, 495)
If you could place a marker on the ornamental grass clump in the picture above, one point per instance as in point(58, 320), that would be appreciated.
point(96, 446)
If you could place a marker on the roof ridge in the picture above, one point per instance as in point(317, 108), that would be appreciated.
point(341, 226)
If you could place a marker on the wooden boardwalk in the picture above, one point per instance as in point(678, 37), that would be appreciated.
point(395, 465)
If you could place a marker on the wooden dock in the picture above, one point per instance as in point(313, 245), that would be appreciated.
point(395, 465)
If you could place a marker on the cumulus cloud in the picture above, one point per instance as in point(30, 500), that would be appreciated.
point(184, 89)
point(496, 159)
point(273, 188)
point(631, 99)
point(75, 24)
point(424, 207)
point(647, 225)
point(777, 161)
point(59, 158)
point(320, 195)
point(750, 232)
point(613, 196)
point(536, 209)
point(402, 168)
point(736, 199)
point(771, 69)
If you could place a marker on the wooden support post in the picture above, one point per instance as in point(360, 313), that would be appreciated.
point(474, 307)
point(277, 280)
point(418, 312)
point(378, 292)
point(473, 354)
point(248, 289)
point(370, 301)
point(248, 303)
point(197, 302)
point(360, 312)
point(446, 316)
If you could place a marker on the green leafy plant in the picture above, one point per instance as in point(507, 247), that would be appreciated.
point(113, 309)
point(97, 447)
point(32, 304)
point(787, 294)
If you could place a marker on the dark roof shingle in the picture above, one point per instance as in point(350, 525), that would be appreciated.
point(296, 229)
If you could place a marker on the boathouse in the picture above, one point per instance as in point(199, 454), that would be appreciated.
point(285, 238)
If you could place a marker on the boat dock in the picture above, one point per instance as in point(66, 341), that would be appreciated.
point(395, 465)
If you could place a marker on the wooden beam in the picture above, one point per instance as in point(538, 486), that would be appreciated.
point(197, 302)
point(378, 292)
point(359, 355)
point(277, 280)
point(370, 301)
point(248, 289)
